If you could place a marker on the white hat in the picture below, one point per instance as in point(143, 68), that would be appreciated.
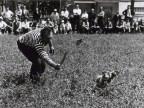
point(62, 21)
point(1, 18)
point(55, 10)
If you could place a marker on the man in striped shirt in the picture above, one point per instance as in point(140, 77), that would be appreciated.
point(32, 45)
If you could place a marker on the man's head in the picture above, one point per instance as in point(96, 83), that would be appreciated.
point(55, 10)
point(46, 34)
point(7, 9)
point(77, 6)
point(92, 10)
point(129, 6)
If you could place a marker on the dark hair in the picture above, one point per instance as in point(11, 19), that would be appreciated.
point(45, 30)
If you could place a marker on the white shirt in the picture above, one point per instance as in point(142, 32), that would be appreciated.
point(18, 12)
point(68, 25)
point(8, 14)
point(129, 13)
point(2, 24)
point(65, 13)
point(77, 11)
point(25, 24)
point(84, 15)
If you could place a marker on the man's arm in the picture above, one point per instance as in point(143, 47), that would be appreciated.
point(43, 54)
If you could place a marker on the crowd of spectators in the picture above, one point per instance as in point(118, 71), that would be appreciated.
point(79, 21)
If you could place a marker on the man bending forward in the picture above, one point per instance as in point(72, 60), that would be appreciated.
point(32, 45)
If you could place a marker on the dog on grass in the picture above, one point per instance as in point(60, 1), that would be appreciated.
point(105, 78)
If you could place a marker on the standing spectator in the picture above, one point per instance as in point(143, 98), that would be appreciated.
point(55, 16)
point(36, 14)
point(91, 18)
point(116, 19)
point(18, 12)
point(25, 12)
point(101, 15)
point(7, 15)
point(65, 14)
point(128, 13)
point(77, 15)
point(72, 21)
point(84, 15)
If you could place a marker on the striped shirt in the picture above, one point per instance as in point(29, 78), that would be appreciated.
point(33, 39)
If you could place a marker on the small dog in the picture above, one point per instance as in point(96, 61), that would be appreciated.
point(103, 80)
point(78, 42)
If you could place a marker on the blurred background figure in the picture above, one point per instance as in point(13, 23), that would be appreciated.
point(77, 15)
point(116, 19)
point(91, 18)
point(55, 16)
point(128, 13)
point(101, 15)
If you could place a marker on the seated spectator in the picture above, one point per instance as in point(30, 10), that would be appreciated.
point(134, 26)
point(62, 27)
point(16, 26)
point(141, 25)
point(84, 15)
point(68, 27)
point(95, 27)
point(120, 26)
point(85, 27)
point(3, 26)
point(108, 26)
point(127, 27)
point(33, 24)
point(55, 27)
point(25, 27)
point(49, 23)
point(41, 23)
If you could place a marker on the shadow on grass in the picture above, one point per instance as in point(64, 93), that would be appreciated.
point(14, 80)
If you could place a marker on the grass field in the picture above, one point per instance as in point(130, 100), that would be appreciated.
point(71, 86)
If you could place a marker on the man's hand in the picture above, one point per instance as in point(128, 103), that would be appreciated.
point(51, 50)
point(57, 67)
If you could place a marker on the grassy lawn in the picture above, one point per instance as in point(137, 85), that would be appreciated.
point(71, 86)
